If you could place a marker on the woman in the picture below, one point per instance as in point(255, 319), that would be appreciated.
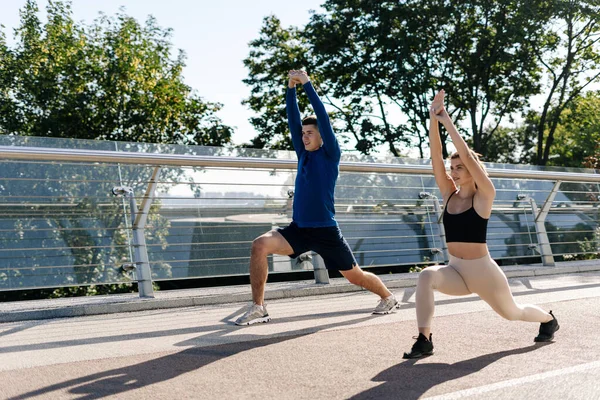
point(468, 195)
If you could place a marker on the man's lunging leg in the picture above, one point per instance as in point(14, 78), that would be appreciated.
point(259, 269)
point(367, 280)
point(372, 283)
point(271, 242)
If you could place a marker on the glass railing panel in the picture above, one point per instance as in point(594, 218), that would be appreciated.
point(61, 224)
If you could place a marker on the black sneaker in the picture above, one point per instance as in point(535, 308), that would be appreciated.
point(547, 330)
point(421, 348)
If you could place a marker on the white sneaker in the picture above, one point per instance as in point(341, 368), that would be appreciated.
point(386, 305)
point(254, 315)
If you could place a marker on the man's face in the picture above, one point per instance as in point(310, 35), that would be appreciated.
point(311, 137)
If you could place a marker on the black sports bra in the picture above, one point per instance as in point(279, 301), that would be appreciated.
point(466, 227)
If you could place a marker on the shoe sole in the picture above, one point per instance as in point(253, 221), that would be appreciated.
point(546, 340)
point(391, 310)
point(254, 321)
point(420, 355)
point(383, 312)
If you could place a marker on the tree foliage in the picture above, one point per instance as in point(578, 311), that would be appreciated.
point(379, 63)
point(276, 51)
point(272, 55)
point(570, 59)
point(577, 134)
point(114, 80)
point(400, 53)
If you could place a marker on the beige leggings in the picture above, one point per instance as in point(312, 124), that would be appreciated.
point(462, 277)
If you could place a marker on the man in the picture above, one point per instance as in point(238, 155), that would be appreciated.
point(313, 224)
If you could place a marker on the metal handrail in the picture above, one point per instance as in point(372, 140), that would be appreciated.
point(210, 255)
point(183, 160)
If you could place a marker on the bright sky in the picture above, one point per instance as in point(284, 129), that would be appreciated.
point(214, 34)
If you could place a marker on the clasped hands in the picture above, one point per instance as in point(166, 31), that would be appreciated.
point(297, 77)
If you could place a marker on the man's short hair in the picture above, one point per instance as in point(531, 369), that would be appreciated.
point(310, 120)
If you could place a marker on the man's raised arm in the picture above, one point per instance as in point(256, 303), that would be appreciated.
point(293, 114)
point(330, 143)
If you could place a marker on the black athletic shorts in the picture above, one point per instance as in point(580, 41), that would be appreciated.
point(328, 242)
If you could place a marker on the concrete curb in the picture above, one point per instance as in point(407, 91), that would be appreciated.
point(76, 307)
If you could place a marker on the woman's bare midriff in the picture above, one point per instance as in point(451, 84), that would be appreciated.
point(468, 251)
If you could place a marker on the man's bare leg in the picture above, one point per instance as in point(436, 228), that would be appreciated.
point(271, 242)
point(367, 280)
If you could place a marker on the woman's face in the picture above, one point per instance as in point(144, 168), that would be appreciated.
point(459, 172)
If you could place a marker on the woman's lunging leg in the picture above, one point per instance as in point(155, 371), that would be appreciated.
point(443, 278)
point(491, 285)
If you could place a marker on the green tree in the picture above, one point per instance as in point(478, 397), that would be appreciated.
point(593, 161)
point(276, 51)
point(489, 59)
point(578, 133)
point(111, 80)
point(382, 62)
point(512, 145)
point(356, 50)
point(114, 79)
point(575, 138)
point(570, 58)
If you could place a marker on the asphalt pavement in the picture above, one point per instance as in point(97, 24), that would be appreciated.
point(318, 346)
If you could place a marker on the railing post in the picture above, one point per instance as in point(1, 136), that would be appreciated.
point(321, 273)
point(289, 205)
point(437, 208)
point(439, 215)
point(540, 225)
point(318, 264)
point(138, 222)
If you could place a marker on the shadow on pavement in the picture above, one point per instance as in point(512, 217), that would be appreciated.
point(410, 380)
point(224, 325)
point(22, 326)
point(120, 380)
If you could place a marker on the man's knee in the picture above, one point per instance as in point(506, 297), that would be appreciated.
point(261, 246)
point(355, 275)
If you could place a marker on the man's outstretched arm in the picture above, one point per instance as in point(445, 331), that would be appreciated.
point(293, 114)
point(330, 143)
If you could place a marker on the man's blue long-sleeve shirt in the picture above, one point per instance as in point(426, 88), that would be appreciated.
point(318, 170)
